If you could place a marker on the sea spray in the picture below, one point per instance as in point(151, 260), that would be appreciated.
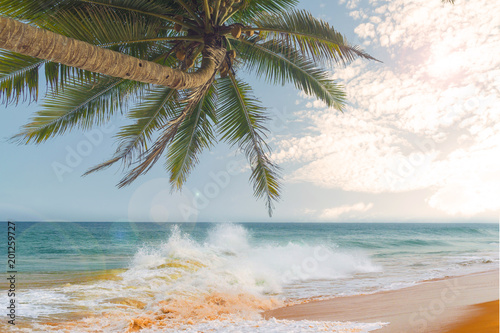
point(229, 261)
point(226, 275)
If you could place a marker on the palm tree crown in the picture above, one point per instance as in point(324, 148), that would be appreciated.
point(267, 37)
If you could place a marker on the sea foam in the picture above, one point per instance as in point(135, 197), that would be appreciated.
point(226, 276)
point(229, 261)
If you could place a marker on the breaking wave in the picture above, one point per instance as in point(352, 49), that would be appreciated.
point(226, 276)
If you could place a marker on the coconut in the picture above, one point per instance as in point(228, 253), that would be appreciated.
point(249, 33)
point(181, 55)
point(177, 26)
point(236, 31)
point(224, 70)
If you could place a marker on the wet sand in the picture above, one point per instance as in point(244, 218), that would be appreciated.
point(444, 305)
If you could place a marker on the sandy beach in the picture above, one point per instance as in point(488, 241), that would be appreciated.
point(459, 304)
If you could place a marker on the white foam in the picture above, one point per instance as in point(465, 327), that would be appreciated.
point(228, 261)
point(36, 303)
point(273, 326)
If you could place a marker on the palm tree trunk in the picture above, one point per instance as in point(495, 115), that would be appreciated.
point(22, 38)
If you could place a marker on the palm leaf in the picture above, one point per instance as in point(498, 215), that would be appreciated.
point(58, 75)
point(157, 7)
point(150, 114)
point(78, 105)
point(188, 8)
point(311, 36)
point(105, 27)
point(193, 135)
point(240, 117)
point(151, 156)
point(30, 9)
point(35, 9)
point(164, 9)
point(101, 26)
point(18, 77)
point(280, 63)
point(251, 8)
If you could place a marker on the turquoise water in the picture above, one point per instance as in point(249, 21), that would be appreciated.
point(55, 247)
point(67, 269)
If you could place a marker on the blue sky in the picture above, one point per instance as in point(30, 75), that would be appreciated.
point(419, 141)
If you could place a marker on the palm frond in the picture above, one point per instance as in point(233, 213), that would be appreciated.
point(190, 11)
point(241, 118)
point(30, 9)
point(18, 77)
point(35, 9)
point(150, 114)
point(311, 36)
point(107, 28)
point(251, 8)
point(193, 136)
point(58, 75)
point(151, 156)
point(280, 63)
point(78, 105)
point(157, 7)
point(166, 9)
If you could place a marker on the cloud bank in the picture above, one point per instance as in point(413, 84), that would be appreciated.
point(334, 213)
point(428, 118)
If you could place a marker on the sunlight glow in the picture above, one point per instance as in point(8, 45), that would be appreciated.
point(444, 63)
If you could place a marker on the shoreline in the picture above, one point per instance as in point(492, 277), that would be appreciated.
point(431, 306)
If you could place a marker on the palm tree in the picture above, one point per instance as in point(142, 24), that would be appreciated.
point(175, 61)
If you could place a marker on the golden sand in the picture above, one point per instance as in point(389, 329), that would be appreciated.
point(483, 320)
point(429, 307)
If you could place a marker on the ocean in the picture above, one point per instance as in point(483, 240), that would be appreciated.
point(205, 277)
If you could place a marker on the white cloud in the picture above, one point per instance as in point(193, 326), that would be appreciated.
point(317, 104)
point(473, 183)
point(365, 30)
point(336, 212)
point(430, 121)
